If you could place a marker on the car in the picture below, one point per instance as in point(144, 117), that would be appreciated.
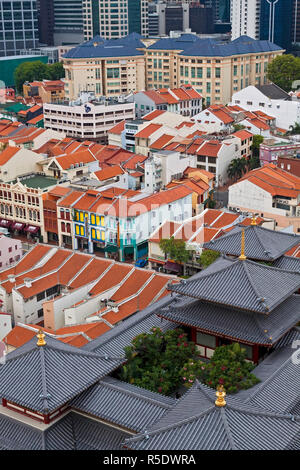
point(141, 263)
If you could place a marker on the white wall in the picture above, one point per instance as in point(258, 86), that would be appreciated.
point(5, 325)
point(285, 112)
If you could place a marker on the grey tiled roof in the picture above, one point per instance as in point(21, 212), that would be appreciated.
point(113, 342)
point(289, 263)
point(195, 423)
point(71, 432)
point(249, 327)
point(242, 284)
point(260, 243)
point(43, 378)
point(121, 403)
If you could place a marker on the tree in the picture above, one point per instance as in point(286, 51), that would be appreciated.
point(30, 71)
point(237, 167)
point(257, 140)
point(155, 359)
point(295, 129)
point(227, 367)
point(283, 70)
point(56, 71)
point(238, 127)
point(208, 257)
point(175, 249)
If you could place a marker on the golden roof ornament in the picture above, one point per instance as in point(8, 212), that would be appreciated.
point(242, 255)
point(253, 220)
point(41, 338)
point(221, 394)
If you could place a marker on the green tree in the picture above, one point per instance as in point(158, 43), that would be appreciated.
point(283, 70)
point(56, 71)
point(228, 367)
point(155, 359)
point(175, 249)
point(295, 129)
point(207, 257)
point(238, 127)
point(30, 71)
point(237, 167)
point(257, 140)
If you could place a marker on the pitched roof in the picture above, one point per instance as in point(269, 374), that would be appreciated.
point(260, 243)
point(153, 114)
point(7, 154)
point(113, 400)
point(209, 149)
point(108, 172)
point(274, 180)
point(118, 128)
point(243, 134)
point(42, 377)
point(273, 92)
point(196, 423)
point(241, 284)
point(148, 131)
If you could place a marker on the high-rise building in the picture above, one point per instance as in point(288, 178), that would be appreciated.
point(271, 20)
point(296, 22)
point(68, 22)
point(45, 10)
point(18, 26)
point(114, 19)
point(245, 18)
point(276, 20)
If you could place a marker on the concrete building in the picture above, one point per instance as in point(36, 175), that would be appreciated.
point(184, 100)
point(115, 67)
point(271, 192)
point(114, 20)
point(245, 18)
point(68, 22)
point(90, 119)
point(18, 27)
point(271, 150)
point(215, 70)
point(272, 100)
point(10, 251)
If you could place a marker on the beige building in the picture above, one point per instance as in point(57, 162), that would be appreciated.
point(215, 70)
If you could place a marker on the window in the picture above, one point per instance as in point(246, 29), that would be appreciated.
point(40, 313)
point(10, 249)
point(205, 344)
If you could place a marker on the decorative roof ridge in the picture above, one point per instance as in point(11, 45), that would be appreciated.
point(45, 396)
point(256, 410)
point(257, 233)
point(250, 279)
point(135, 394)
point(227, 429)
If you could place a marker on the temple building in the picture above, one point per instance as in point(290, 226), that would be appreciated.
point(239, 300)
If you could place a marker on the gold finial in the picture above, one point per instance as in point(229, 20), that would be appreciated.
point(242, 256)
point(221, 394)
point(41, 338)
point(253, 220)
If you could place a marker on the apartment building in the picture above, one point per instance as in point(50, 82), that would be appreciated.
point(216, 70)
point(120, 221)
point(271, 192)
point(114, 20)
point(105, 67)
point(87, 120)
point(245, 18)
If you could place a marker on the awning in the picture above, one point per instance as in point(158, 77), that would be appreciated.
point(111, 249)
point(5, 223)
point(31, 229)
point(17, 226)
point(173, 267)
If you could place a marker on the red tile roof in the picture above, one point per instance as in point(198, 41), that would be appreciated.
point(118, 128)
point(161, 141)
point(153, 114)
point(7, 154)
point(108, 173)
point(113, 277)
point(148, 130)
point(243, 134)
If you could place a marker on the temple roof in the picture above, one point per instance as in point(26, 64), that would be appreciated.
point(242, 284)
point(247, 327)
point(43, 378)
point(289, 263)
point(196, 423)
point(113, 400)
point(260, 243)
